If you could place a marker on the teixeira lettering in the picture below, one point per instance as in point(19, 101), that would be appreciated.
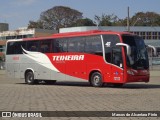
point(68, 57)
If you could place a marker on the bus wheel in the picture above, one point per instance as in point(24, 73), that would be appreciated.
point(29, 78)
point(96, 80)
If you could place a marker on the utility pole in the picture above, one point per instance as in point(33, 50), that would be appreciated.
point(128, 25)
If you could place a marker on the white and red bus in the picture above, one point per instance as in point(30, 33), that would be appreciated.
point(95, 56)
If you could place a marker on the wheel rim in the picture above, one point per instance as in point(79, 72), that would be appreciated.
point(30, 78)
point(96, 79)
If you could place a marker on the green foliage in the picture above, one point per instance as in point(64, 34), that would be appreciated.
point(108, 20)
point(83, 22)
point(139, 19)
point(57, 17)
point(146, 19)
point(33, 24)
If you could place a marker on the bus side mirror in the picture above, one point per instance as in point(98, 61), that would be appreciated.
point(154, 49)
point(127, 47)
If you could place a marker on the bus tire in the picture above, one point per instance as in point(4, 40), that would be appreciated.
point(96, 79)
point(29, 78)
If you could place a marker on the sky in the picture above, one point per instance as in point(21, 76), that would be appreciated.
point(18, 13)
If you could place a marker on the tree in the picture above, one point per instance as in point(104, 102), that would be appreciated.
point(139, 19)
point(83, 22)
point(106, 20)
point(57, 17)
point(146, 19)
point(33, 24)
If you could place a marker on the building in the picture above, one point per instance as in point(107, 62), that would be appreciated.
point(4, 27)
point(22, 33)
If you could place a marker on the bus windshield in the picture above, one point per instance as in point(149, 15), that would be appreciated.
point(138, 52)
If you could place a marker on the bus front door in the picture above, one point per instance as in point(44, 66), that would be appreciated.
point(117, 71)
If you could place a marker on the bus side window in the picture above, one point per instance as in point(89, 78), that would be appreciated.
point(113, 54)
point(45, 46)
point(72, 45)
point(76, 44)
point(81, 44)
point(19, 46)
point(59, 45)
point(45, 49)
point(10, 48)
point(93, 45)
point(33, 48)
point(16, 47)
point(32, 45)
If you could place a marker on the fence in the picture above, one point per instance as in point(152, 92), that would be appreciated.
point(154, 63)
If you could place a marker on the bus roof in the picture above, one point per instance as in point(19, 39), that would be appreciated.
point(86, 33)
point(76, 34)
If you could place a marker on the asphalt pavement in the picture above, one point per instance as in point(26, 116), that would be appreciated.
point(15, 95)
